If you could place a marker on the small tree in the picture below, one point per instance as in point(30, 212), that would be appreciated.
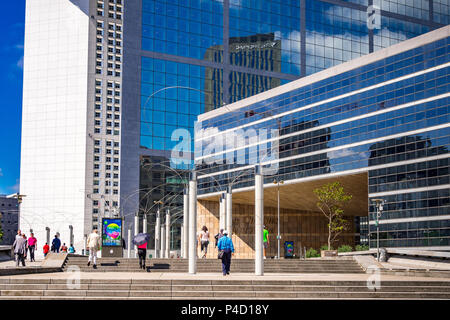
point(331, 200)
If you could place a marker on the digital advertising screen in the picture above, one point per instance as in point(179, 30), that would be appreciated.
point(112, 232)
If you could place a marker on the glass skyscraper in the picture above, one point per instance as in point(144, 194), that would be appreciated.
point(137, 71)
point(379, 124)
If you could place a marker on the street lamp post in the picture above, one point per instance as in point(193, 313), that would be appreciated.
point(278, 182)
point(379, 205)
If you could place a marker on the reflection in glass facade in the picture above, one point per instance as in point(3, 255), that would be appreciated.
point(192, 56)
point(389, 117)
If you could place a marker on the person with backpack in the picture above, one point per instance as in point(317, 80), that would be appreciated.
point(71, 249)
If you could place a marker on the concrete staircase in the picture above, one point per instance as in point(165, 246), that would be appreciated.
point(340, 265)
point(110, 289)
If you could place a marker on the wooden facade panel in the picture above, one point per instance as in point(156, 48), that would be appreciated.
point(306, 228)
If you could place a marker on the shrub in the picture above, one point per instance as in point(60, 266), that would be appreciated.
point(312, 253)
point(325, 247)
point(345, 248)
point(361, 247)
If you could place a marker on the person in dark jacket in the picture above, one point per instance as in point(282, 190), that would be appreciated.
point(225, 244)
point(56, 244)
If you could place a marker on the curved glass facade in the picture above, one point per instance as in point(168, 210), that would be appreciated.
point(186, 57)
point(389, 118)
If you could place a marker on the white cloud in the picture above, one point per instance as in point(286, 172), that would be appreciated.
point(16, 187)
point(20, 63)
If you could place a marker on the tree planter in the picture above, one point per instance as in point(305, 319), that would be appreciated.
point(328, 253)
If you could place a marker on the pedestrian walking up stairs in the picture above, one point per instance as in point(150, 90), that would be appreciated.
point(227, 288)
point(338, 265)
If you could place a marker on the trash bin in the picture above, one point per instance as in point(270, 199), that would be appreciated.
point(383, 255)
point(288, 249)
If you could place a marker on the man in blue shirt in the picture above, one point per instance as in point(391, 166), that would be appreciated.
point(226, 244)
point(56, 244)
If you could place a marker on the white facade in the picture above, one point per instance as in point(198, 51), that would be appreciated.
point(53, 155)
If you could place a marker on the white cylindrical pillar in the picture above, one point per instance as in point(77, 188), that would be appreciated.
point(47, 229)
point(129, 243)
point(158, 235)
point(163, 241)
point(193, 223)
point(222, 212)
point(259, 221)
point(167, 252)
point(136, 231)
point(182, 241)
point(70, 235)
point(144, 225)
point(185, 237)
point(229, 210)
point(84, 242)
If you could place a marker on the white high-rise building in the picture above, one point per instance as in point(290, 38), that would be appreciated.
point(64, 139)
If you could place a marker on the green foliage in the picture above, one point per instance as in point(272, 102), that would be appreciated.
point(361, 247)
point(325, 247)
point(312, 253)
point(332, 198)
point(345, 248)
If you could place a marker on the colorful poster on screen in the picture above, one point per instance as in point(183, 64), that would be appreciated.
point(112, 232)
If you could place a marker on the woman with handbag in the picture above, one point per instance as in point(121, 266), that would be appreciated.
point(226, 250)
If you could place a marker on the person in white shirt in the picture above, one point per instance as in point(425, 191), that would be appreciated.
point(94, 243)
point(204, 240)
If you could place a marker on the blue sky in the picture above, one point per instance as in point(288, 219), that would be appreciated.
point(11, 59)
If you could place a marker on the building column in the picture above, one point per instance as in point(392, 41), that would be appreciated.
point(167, 253)
point(144, 225)
point(222, 212)
point(182, 241)
point(47, 229)
point(157, 235)
point(84, 241)
point(259, 221)
point(185, 229)
point(229, 210)
point(163, 241)
point(193, 223)
point(136, 231)
point(129, 243)
point(70, 235)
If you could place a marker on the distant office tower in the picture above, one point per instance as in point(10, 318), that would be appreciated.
point(108, 82)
